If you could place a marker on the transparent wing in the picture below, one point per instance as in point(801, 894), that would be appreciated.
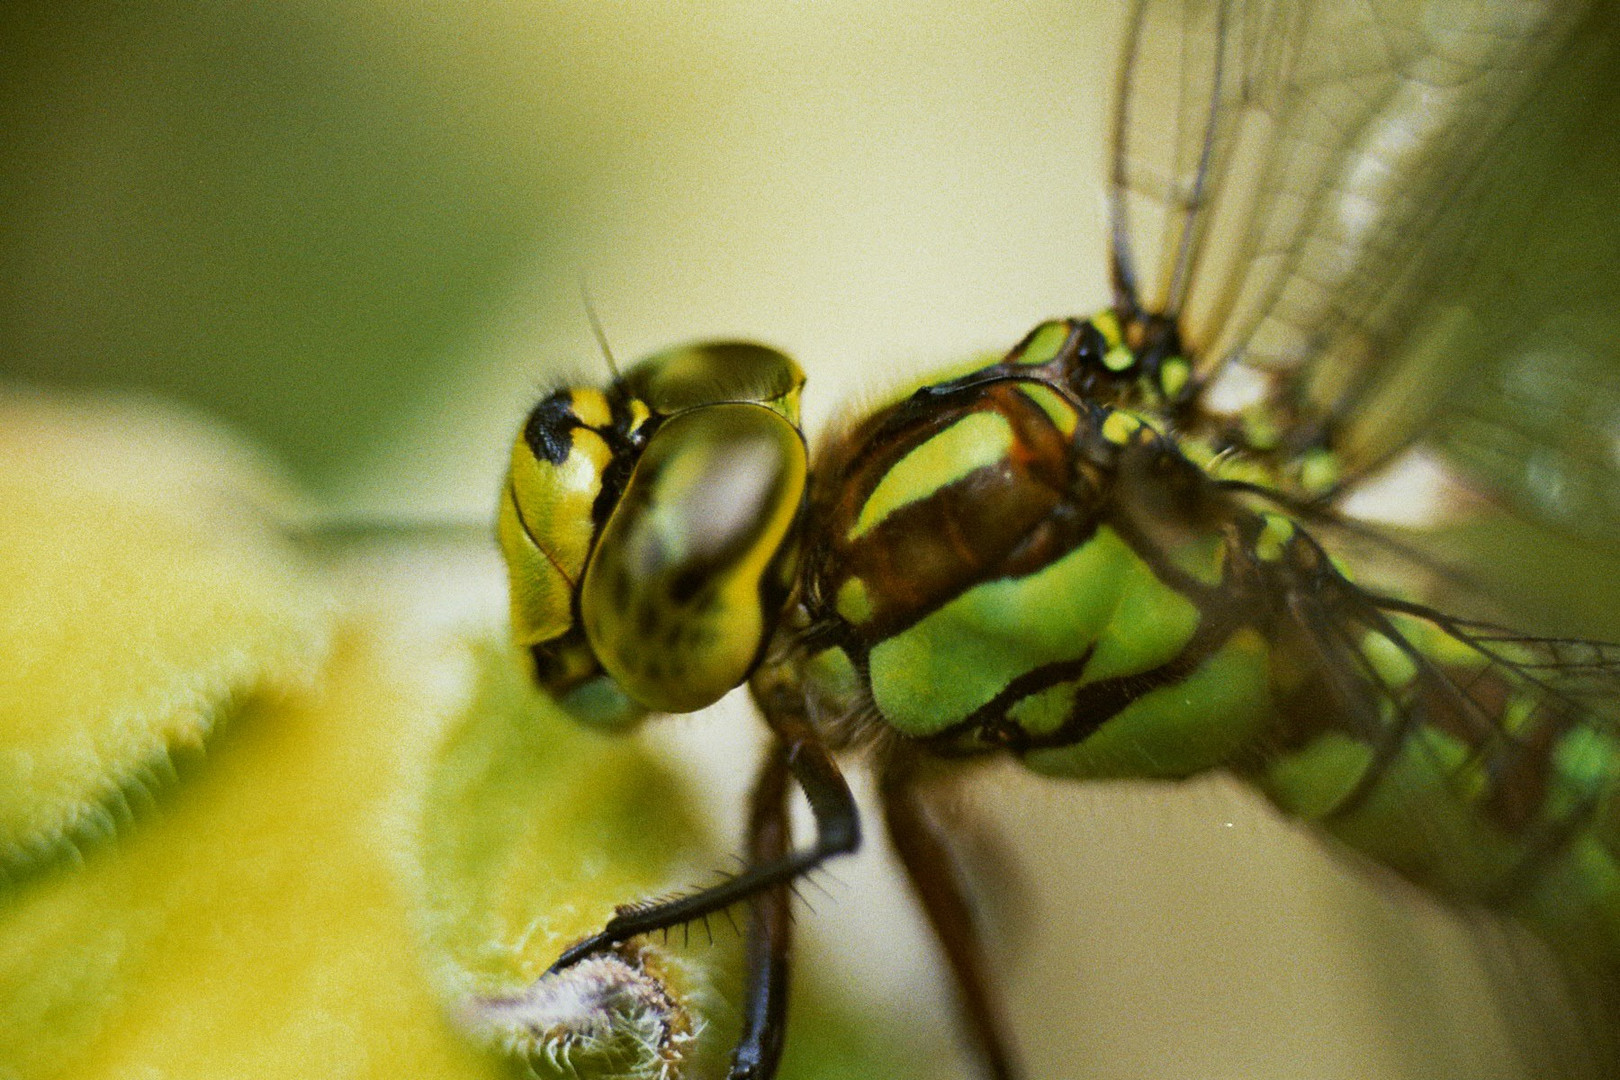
point(1355, 209)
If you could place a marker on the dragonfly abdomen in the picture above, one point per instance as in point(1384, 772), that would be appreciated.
point(1445, 762)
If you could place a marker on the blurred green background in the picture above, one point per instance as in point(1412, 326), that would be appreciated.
point(356, 231)
point(287, 214)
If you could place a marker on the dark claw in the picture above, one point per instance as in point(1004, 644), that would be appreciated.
point(580, 950)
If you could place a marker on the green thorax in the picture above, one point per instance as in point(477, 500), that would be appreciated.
point(1015, 558)
point(1025, 557)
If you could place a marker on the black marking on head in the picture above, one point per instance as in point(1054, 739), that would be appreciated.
point(549, 429)
point(625, 439)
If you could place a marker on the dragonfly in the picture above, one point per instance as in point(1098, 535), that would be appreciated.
point(1144, 543)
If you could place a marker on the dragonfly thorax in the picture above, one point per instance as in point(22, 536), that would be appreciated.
point(999, 561)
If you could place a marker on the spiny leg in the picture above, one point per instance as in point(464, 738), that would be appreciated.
point(770, 930)
point(927, 858)
point(837, 832)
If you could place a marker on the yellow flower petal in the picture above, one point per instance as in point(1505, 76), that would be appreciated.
point(145, 599)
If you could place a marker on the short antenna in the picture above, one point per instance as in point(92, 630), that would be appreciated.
point(596, 326)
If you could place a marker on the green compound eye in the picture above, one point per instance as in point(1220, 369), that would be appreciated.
point(693, 566)
point(707, 373)
point(694, 460)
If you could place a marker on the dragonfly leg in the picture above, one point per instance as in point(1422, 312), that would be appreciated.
point(837, 833)
point(926, 855)
point(770, 930)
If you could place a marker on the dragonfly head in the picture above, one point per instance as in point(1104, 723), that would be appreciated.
point(650, 529)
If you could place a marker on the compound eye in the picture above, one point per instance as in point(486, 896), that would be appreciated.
point(712, 372)
point(692, 568)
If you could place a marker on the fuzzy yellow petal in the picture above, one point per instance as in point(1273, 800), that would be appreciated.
point(144, 600)
point(257, 922)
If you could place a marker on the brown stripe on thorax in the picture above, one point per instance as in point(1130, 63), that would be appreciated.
point(1006, 519)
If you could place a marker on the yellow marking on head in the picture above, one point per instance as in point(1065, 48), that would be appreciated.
point(590, 406)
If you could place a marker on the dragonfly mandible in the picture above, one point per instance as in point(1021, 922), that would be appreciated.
point(1134, 546)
